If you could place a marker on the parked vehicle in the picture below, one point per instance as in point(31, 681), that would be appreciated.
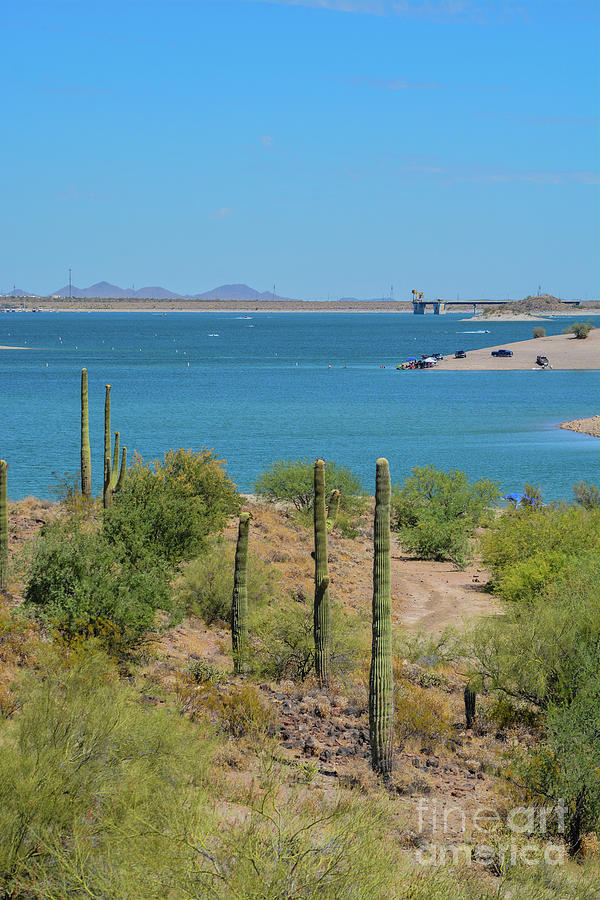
point(543, 361)
point(460, 354)
point(502, 353)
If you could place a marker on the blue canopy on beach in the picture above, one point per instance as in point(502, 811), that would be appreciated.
point(514, 498)
point(411, 359)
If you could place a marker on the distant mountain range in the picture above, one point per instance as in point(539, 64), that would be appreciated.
point(105, 290)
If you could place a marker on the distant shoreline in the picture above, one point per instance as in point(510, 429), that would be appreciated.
point(245, 307)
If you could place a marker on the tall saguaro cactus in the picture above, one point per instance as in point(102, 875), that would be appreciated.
point(239, 602)
point(107, 493)
point(3, 525)
point(321, 615)
point(86, 457)
point(381, 684)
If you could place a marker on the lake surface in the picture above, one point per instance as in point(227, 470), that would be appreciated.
point(259, 389)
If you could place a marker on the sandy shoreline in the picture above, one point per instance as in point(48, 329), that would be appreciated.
point(584, 426)
point(563, 352)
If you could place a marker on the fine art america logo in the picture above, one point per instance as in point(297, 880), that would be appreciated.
point(520, 836)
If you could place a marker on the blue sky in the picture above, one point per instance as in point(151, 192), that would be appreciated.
point(329, 147)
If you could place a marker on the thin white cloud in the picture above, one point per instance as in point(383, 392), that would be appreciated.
point(267, 140)
point(222, 213)
point(434, 10)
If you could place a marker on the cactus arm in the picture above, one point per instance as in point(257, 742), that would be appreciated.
point(3, 525)
point(114, 477)
point(123, 471)
point(239, 602)
point(381, 686)
point(333, 508)
point(86, 458)
point(321, 614)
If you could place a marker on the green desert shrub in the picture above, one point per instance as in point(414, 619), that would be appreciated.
point(539, 332)
point(292, 481)
point(579, 329)
point(207, 584)
point(436, 513)
point(586, 495)
point(283, 640)
point(171, 506)
point(81, 583)
point(537, 651)
point(96, 792)
point(527, 547)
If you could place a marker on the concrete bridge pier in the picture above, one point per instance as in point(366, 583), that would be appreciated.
point(418, 307)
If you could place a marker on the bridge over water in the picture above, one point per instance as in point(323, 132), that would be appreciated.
point(439, 307)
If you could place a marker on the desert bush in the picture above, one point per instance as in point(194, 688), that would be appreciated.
point(420, 713)
point(539, 332)
point(171, 506)
point(207, 583)
point(94, 790)
point(81, 583)
point(533, 653)
point(284, 641)
point(293, 482)
point(579, 329)
point(201, 672)
point(235, 709)
point(523, 541)
point(437, 512)
point(586, 495)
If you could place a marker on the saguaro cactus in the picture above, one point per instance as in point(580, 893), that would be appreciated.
point(239, 602)
point(123, 470)
point(107, 493)
point(321, 617)
point(470, 698)
point(381, 684)
point(86, 457)
point(333, 508)
point(3, 526)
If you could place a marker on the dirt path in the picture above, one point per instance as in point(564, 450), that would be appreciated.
point(431, 596)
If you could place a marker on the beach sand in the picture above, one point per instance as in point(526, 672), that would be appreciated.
point(15, 348)
point(584, 426)
point(563, 351)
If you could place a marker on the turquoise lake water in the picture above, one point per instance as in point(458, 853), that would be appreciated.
point(259, 389)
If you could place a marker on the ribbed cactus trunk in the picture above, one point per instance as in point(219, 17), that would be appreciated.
point(470, 699)
point(114, 476)
point(123, 471)
point(333, 508)
point(381, 684)
point(86, 457)
point(3, 525)
point(321, 616)
point(239, 602)
point(107, 493)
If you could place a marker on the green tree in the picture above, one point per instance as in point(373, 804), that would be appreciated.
point(84, 584)
point(579, 329)
point(436, 512)
point(171, 506)
point(292, 480)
